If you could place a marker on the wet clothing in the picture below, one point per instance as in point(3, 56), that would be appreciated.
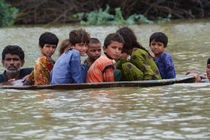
point(68, 69)
point(166, 66)
point(41, 73)
point(140, 67)
point(101, 70)
point(23, 73)
point(86, 64)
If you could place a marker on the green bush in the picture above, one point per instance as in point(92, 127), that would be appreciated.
point(7, 14)
point(103, 17)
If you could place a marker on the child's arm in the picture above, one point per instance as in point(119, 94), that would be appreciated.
point(170, 70)
point(75, 68)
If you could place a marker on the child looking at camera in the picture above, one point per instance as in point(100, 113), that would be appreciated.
point(67, 68)
point(102, 69)
point(41, 74)
point(158, 43)
point(93, 52)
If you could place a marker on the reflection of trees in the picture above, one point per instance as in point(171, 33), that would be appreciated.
point(45, 11)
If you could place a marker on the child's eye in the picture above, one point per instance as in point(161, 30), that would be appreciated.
point(99, 50)
point(114, 47)
point(93, 50)
point(54, 47)
point(48, 46)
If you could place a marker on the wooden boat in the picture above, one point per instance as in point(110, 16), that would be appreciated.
point(149, 83)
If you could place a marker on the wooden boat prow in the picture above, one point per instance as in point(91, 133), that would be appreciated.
point(148, 83)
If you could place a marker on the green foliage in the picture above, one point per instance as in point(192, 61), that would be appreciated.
point(103, 17)
point(7, 14)
point(164, 20)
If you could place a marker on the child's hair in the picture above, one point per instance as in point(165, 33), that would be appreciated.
point(13, 49)
point(113, 37)
point(48, 38)
point(78, 36)
point(63, 46)
point(130, 39)
point(94, 41)
point(208, 61)
point(159, 37)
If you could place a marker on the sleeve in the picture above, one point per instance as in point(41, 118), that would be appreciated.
point(42, 71)
point(108, 74)
point(142, 64)
point(170, 70)
point(75, 68)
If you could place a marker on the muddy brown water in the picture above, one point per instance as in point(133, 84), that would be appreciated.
point(179, 111)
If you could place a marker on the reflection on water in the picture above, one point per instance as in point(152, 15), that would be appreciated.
point(179, 111)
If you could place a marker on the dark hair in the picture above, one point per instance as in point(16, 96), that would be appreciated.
point(13, 49)
point(94, 41)
point(48, 38)
point(113, 37)
point(78, 36)
point(159, 37)
point(130, 39)
point(63, 46)
point(208, 61)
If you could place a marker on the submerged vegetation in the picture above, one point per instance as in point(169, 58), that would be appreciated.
point(7, 14)
point(103, 17)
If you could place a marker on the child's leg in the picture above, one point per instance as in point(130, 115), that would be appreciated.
point(131, 72)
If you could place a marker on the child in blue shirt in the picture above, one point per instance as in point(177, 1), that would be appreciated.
point(67, 68)
point(158, 44)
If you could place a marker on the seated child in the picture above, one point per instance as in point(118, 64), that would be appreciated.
point(64, 46)
point(93, 52)
point(141, 66)
point(102, 69)
point(67, 68)
point(44, 64)
point(158, 43)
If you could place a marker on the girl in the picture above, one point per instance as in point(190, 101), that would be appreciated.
point(44, 64)
point(141, 65)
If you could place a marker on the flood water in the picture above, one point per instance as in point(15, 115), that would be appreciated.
point(179, 111)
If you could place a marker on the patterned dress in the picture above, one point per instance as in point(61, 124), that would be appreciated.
point(166, 66)
point(41, 73)
point(140, 67)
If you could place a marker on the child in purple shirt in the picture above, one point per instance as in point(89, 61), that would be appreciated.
point(164, 62)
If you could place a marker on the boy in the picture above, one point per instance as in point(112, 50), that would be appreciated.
point(93, 52)
point(102, 69)
point(164, 62)
point(67, 68)
point(41, 74)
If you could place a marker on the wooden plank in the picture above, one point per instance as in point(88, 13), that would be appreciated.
point(149, 83)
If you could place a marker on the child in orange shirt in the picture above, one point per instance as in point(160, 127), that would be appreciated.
point(102, 69)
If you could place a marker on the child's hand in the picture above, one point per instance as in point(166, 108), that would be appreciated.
point(193, 71)
point(24, 78)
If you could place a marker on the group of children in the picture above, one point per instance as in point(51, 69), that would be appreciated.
point(111, 66)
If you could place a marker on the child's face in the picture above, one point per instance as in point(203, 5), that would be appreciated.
point(94, 51)
point(81, 47)
point(157, 48)
point(48, 49)
point(208, 71)
point(114, 49)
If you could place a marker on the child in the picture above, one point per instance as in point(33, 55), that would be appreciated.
point(158, 43)
point(102, 69)
point(44, 64)
point(64, 46)
point(67, 68)
point(93, 52)
point(141, 66)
